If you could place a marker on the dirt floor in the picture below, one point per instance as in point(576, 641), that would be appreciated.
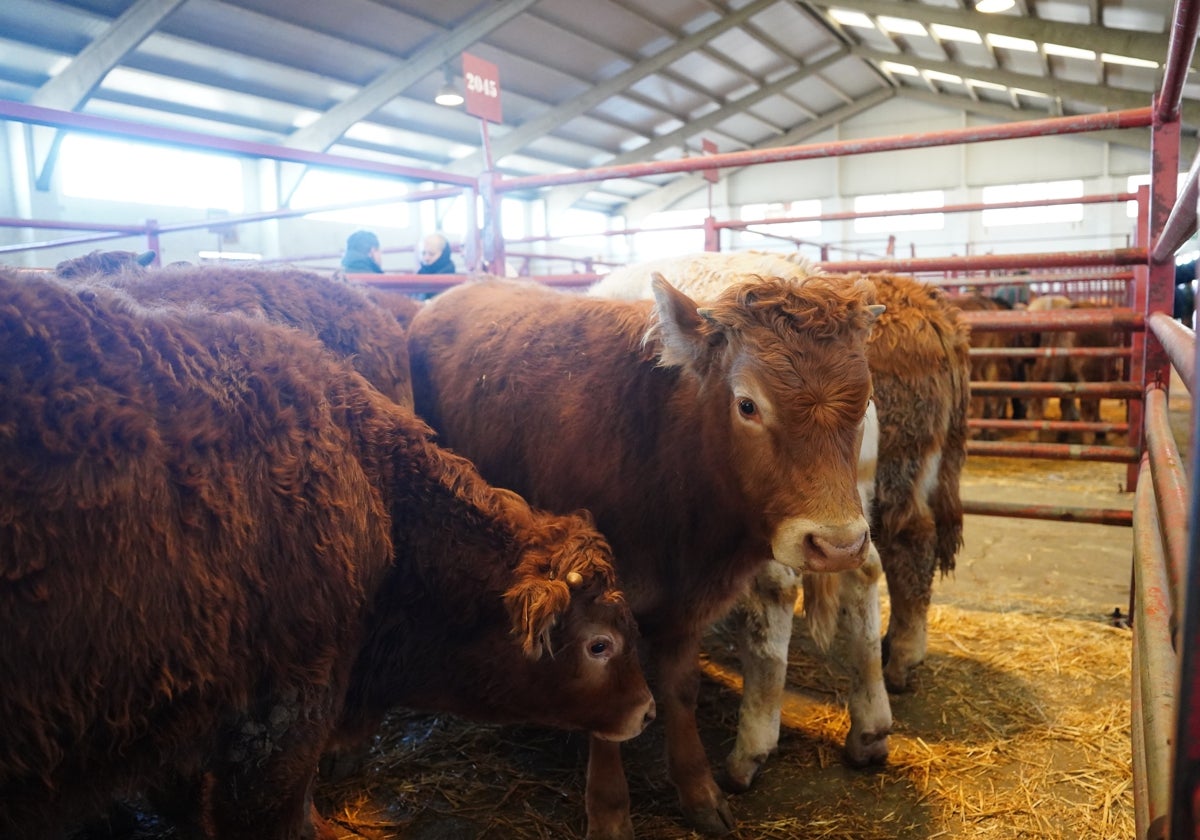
point(1018, 727)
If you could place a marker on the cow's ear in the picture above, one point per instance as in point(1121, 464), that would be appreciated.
point(534, 605)
point(686, 335)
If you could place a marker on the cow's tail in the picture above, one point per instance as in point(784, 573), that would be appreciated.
point(947, 501)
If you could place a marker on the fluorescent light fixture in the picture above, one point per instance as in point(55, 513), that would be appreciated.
point(956, 33)
point(938, 76)
point(1010, 43)
point(848, 18)
point(901, 26)
point(991, 7)
point(901, 69)
point(1069, 52)
point(1127, 61)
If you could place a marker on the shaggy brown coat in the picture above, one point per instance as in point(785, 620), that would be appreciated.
point(342, 317)
point(919, 355)
point(221, 551)
point(703, 441)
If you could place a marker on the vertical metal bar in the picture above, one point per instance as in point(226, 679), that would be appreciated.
point(1170, 493)
point(1137, 363)
point(1154, 657)
point(1185, 775)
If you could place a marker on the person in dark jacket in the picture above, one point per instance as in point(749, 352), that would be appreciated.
point(362, 254)
point(435, 256)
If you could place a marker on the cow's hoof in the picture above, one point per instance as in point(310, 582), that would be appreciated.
point(711, 821)
point(740, 772)
point(618, 830)
point(867, 749)
point(898, 680)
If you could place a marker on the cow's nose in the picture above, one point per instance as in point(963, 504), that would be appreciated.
point(833, 550)
point(648, 718)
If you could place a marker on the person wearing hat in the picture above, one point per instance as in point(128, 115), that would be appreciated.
point(362, 254)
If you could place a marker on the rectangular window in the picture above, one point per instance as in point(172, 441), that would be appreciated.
point(1049, 214)
point(764, 234)
point(659, 240)
point(325, 187)
point(128, 171)
point(925, 199)
point(1135, 181)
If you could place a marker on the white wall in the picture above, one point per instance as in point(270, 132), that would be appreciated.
point(961, 170)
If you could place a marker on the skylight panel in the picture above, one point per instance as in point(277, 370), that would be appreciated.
point(938, 76)
point(901, 69)
point(1069, 52)
point(901, 26)
point(956, 33)
point(848, 18)
point(1127, 61)
point(1010, 43)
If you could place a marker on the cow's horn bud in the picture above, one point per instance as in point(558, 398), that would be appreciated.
point(574, 579)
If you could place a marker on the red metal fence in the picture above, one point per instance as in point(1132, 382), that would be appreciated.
point(1166, 555)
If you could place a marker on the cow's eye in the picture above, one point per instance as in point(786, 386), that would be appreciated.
point(747, 408)
point(600, 647)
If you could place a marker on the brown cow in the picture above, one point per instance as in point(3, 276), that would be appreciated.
point(988, 368)
point(704, 441)
point(345, 320)
point(1066, 368)
point(221, 551)
point(918, 356)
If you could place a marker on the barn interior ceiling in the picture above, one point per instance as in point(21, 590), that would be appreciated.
point(583, 83)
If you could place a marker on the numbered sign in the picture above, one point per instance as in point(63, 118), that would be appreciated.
point(482, 80)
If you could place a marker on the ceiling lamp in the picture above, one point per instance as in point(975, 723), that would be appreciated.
point(448, 94)
point(990, 7)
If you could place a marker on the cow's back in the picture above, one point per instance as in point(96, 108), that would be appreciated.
point(341, 316)
point(552, 395)
point(920, 368)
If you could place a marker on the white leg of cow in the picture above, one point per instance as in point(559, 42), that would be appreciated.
point(870, 710)
point(764, 627)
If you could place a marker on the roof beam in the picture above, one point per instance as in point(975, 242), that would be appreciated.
point(72, 87)
point(521, 136)
point(665, 196)
point(331, 125)
point(563, 197)
point(1144, 45)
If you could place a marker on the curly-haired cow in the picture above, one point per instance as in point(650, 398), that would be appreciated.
point(919, 360)
point(704, 442)
point(222, 552)
point(343, 317)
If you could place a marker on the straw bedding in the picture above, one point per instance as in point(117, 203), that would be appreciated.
point(1019, 728)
